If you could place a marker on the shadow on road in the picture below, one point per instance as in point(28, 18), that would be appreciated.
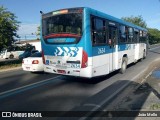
point(94, 80)
point(96, 106)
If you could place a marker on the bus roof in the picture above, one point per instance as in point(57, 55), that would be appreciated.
point(109, 17)
point(103, 15)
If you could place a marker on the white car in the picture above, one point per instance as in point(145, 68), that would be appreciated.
point(5, 54)
point(34, 63)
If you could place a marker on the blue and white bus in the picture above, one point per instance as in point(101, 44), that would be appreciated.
point(87, 43)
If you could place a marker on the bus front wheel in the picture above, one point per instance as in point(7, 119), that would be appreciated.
point(124, 65)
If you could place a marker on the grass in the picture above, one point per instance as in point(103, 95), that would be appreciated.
point(155, 106)
point(10, 66)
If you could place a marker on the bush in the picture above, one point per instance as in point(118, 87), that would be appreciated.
point(11, 62)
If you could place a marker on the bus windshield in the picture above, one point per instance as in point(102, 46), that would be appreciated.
point(64, 23)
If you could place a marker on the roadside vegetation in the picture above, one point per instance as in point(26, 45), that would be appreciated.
point(8, 28)
point(155, 106)
point(153, 33)
point(10, 64)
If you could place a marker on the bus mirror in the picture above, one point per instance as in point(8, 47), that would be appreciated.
point(41, 12)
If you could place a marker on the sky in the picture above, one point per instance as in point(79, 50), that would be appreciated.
point(27, 11)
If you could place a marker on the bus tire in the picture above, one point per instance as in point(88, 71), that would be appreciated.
point(11, 56)
point(124, 65)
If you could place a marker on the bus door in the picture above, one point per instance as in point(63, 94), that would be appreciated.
point(112, 40)
point(136, 39)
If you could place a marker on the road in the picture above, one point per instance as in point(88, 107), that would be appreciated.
point(25, 91)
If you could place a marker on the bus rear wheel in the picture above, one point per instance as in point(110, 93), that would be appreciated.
point(124, 65)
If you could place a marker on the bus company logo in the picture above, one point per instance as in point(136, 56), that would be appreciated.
point(66, 51)
point(6, 114)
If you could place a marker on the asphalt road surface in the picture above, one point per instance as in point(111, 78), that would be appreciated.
point(25, 91)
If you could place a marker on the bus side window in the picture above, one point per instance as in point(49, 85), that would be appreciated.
point(141, 36)
point(145, 37)
point(127, 34)
point(98, 31)
point(130, 39)
point(136, 36)
point(112, 35)
point(93, 32)
point(122, 34)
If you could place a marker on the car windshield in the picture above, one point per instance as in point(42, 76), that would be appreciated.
point(37, 54)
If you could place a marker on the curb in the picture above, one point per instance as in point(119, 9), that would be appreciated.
point(141, 74)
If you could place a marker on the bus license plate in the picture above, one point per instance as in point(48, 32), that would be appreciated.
point(61, 71)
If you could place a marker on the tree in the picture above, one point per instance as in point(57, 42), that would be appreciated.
point(136, 20)
point(154, 35)
point(8, 28)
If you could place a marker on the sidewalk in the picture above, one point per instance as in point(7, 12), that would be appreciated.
point(141, 95)
point(152, 103)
